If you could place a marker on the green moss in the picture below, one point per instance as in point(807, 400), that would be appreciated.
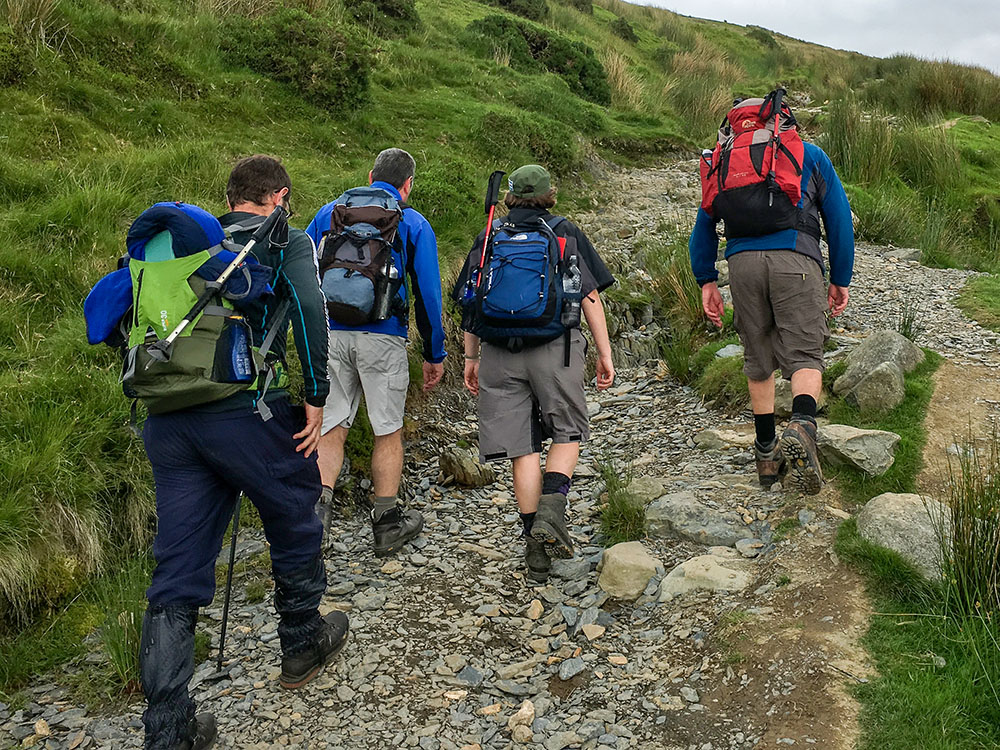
point(723, 383)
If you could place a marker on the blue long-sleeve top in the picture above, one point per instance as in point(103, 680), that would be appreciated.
point(419, 262)
point(822, 195)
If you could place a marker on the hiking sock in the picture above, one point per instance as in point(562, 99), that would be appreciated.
point(382, 504)
point(326, 496)
point(763, 424)
point(804, 406)
point(553, 481)
point(526, 520)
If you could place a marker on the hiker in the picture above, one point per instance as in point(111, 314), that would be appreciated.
point(370, 240)
point(770, 191)
point(206, 450)
point(522, 290)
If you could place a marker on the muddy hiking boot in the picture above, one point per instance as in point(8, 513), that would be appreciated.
point(549, 526)
point(202, 734)
point(395, 528)
point(300, 668)
point(770, 463)
point(798, 446)
point(537, 560)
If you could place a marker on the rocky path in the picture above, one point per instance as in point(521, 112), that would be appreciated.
point(452, 648)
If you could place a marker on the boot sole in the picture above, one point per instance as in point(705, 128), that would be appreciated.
point(394, 547)
point(554, 546)
point(314, 672)
point(803, 475)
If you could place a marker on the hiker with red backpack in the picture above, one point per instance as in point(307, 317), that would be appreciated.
point(525, 284)
point(770, 189)
point(369, 241)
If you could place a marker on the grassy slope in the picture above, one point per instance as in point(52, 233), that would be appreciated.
point(135, 103)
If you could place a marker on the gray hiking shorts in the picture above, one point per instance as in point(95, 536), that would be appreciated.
point(373, 363)
point(779, 309)
point(531, 396)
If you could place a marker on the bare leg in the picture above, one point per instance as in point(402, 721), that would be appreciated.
point(387, 463)
point(562, 458)
point(761, 395)
point(527, 481)
point(807, 382)
point(331, 455)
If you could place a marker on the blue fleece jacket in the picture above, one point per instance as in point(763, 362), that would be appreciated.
point(822, 195)
point(420, 263)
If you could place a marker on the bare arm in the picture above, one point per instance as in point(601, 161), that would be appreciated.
point(593, 311)
point(472, 363)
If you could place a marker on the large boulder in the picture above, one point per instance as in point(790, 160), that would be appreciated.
point(716, 572)
point(783, 397)
point(463, 466)
point(680, 514)
point(910, 525)
point(880, 390)
point(626, 569)
point(877, 349)
point(872, 451)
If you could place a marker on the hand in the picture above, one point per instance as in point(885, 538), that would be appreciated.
point(711, 303)
point(432, 374)
point(605, 371)
point(312, 432)
point(472, 376)
point(836, 298)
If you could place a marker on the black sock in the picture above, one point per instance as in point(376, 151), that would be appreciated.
point(804, 406)
point(553, 481)
point(764, 426)
point(526, 520)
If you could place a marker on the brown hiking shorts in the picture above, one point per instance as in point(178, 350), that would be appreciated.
point(779, 309)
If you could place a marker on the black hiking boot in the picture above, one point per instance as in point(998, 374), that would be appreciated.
point(202, 734)
point(537, 560)
point(770, 463)
point(798, 446)
point(302, 667)
point(549, 527)
point(394, 529)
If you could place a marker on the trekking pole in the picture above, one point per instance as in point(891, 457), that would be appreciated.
point(776, 96)
point(161, 350)
point(492, 196)
point(229, 583)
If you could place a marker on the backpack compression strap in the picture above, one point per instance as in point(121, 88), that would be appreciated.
point(280, 318)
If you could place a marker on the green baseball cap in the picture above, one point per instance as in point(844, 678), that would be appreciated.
point(529, 181)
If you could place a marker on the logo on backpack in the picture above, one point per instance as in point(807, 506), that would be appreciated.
point(525, 290)
point(358, 273)
point(752, 180)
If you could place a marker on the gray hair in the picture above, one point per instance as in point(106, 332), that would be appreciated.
point(394, 166)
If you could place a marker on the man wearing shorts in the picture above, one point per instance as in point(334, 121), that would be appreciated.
point(371, 359)
point(537, 392)
point(780, 302)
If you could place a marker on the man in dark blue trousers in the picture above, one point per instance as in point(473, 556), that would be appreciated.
point(204, 457)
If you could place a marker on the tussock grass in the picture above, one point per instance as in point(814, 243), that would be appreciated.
point(627, 89)
point(623, 518)
point(32, 20)
point(723, 383)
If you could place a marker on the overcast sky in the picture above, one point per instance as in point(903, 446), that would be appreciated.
point(966, 31)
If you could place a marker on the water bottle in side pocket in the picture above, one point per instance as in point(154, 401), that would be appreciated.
point(572, 282)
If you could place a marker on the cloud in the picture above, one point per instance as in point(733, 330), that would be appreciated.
point(962, 30)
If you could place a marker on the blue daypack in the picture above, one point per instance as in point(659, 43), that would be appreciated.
point(519, 296)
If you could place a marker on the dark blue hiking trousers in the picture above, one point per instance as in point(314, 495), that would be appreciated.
point(201, 461)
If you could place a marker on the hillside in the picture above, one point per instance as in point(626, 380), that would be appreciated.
point(110, 106)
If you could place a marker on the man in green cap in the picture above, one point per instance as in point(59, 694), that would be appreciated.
point(522, 291)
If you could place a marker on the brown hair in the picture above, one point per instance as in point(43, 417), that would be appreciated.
point(548, 200)
point(256, 177)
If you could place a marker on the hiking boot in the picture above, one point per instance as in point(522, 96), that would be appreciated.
point(394, 529)
point(798, 446)
point(299, 669)
point(770, 463)
point(549, 527)
point(537, 560)
point(202, 734)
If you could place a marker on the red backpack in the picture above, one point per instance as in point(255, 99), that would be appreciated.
point(753, 178)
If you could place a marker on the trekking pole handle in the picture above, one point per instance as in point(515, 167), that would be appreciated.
point(492, 197)
point(260, 234)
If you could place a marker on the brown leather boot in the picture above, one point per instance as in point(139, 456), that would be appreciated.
point(770, 463)
point(798, 446)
